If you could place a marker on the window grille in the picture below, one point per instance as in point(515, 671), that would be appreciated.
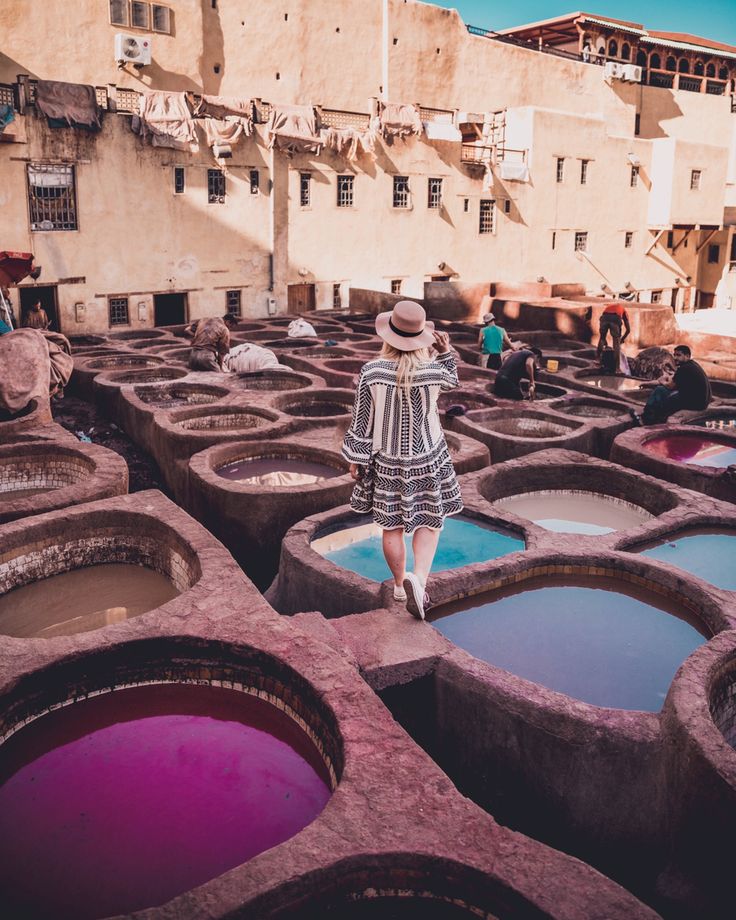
point(215, 186)
point(119, 12)
point(140, 15)
point(581, 241)
point(486, 223)
point(628, 239)
point(161, 18)
point(396, 286)
point(584, 172)
point(695, 179)
point(333, 118)
point(401, 192)
point(305, 189)
point(233, 302)
point(52, 197)
point(255, 181)
point(7, 96)
point(101, 96)
point(466, 205)
point(634, 178)
point(434, 193)
point(179, 179)
point(656, 297)
point(127, 100)
point(445, 116)
point(714, 254)
point(345, 185)
point(118, 307)
point(336, 298)
point(507, 206)
point(560, 168)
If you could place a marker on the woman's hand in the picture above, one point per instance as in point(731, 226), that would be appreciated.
point(355, 471)
point(441, 342)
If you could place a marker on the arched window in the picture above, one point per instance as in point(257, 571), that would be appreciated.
point(613, 49)
point(698, 69)
point(655, 62)
point(671, 64)
point(723, 73)
point(710, 70)
point(602, 51)
point(641, 58)
point(626, 52)
point(684, 65)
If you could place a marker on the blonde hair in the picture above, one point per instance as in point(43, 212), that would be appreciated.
point(407, 363)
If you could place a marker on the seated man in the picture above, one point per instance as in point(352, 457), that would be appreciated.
point(687, 388)
point(516, 366)
point(612, 319)
point(492, 340)
point(211, 342)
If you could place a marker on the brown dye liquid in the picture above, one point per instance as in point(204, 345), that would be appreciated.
point(277, 471)
point(82, 600)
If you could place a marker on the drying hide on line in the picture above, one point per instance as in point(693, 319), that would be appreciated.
point(71, 104)
point(349, 142)
point(294, 129)
point(24, 358)
point(224, 130)
point(400, 120)
point(166, 119)
point(221, 107)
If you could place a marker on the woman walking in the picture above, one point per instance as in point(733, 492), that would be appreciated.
point(396, 447)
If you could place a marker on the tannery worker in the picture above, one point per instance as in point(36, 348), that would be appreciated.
point(36, 317)
point(492, 340)
point(211, 342)
point(520, 364)
point(612, 319)
point(687, 388)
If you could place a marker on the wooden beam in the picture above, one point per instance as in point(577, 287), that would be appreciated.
point(656, 239)
point(677, 245)
point(705, 241)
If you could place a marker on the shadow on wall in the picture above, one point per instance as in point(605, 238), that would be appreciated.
point(212, 62)
point(666, 108)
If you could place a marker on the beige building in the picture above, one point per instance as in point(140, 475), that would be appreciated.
point(582, 149)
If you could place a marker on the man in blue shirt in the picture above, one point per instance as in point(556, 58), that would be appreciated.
point(492, 340)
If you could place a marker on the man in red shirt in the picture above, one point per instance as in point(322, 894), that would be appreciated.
point(612, 318)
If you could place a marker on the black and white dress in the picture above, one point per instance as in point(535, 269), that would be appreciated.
point(401, 440)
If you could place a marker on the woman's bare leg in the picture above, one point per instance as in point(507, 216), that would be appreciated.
point(394, 549)
point(424, 542)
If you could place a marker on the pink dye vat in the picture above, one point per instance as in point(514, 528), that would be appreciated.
point(692, 448)
point(128, 799)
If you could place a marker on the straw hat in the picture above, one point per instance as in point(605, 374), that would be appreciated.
point(489, 318)
point(406, 327)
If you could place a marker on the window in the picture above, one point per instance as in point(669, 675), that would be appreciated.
point(554, 238)
point(670, 239)
point(215, 186)
point(695, 179)
point(670, 63)
point(625, 51)
point(336, 298)
point(486, 222)
point(581, 241)
point(613, 48)
point(714, 254)
point(634, 177)
point(656, 297)
point(51, 197)
point(401, 192)
point(255, 181)
point(305, 189)
point(118, 310)
point(466, 205)
point(345, 185)
point(140, 15)
point(434, 193)
point(732, 261)
point(178, 180)
point(119, 12)
point(560, 168)
point(161, 19)
point(507, 206)
point(628, 239)
point(584, 172)
point(233, 302)
point(396, 286)
point(655, 62)
point(637, 124)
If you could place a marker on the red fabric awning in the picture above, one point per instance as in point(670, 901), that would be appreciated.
point(15, 266)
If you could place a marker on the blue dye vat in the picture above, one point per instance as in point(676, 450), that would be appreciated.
point(462, 542)
point(709, 554)
point(610, 645)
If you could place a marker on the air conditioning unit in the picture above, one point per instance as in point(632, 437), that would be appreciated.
point(632, 73)
point(612, 70)
point(132, 49)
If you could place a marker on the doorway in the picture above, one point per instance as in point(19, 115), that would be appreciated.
point(169, 309)
point(47, 295)
point(301, 298)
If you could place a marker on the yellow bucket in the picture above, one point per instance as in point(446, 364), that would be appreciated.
point(553, 365)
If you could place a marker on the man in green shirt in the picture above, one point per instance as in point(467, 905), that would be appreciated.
point(492, 340)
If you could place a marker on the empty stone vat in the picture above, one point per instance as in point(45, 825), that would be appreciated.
point(270, 380)
point(318, 404)
point(514, 432)
point(172, 395)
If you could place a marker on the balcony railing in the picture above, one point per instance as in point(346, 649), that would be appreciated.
point(334, 118)
point(689, 84)
point(665, 80)
point(715, 88)
point(476, 155)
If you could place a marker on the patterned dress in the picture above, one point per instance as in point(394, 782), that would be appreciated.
point(401, 442)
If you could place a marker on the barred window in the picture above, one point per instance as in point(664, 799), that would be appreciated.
point(52, 197)
point(345, 186)
point(255, 181)
point(215, 186)
point(581, 241)
point(487, 219)
point(695, 179)
point(396, 286)
point(401, 191)
point(178, 180)
point(634, 179)
point(118, 307)
point(584, 172)
point(305, 189)
point(434, 193)
point(560, 168)
point(232, 302)
point(336, 298)
point(138, 14)
point(628, 239)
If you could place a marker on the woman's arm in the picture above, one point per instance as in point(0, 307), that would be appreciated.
point(357, 445)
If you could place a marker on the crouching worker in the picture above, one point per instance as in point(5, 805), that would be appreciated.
point(211, 342)
point(518, 365)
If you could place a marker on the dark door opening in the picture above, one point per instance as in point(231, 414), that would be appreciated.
point(47, 295)
point(169, 309)
point(301, 298)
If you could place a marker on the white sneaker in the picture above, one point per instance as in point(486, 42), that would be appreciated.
point(414, 595)
point(399, 593)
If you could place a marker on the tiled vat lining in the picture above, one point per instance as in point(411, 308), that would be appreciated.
point(522, 426)
point(189, 393)
point(723, 701)
point(123, 360)
point(52, 472)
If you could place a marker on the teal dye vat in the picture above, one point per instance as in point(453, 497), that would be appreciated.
point(462, 542)
point(598, 639)
point(709, 554)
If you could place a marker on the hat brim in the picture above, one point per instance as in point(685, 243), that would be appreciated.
point(423, 339)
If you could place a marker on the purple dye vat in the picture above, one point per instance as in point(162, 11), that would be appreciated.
point(693, 449)
point(125, 800)
point(277, 471)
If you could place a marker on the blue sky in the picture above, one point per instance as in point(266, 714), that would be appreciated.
point(715, 19)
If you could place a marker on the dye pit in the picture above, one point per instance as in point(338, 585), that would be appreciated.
point(613, 382)
point(82, 600)
point(708, 554)
point(463, 542)
point(127, 799)
point(723, 420)
point(693, 449)
point(398, 906)
point(277, 471)
point(596, 639)
point(575, 512)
